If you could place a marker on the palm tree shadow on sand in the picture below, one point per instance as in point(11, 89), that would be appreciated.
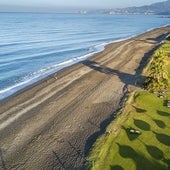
point(90, 141)
point(124, 77)
point(128, 79)
point(2, 161)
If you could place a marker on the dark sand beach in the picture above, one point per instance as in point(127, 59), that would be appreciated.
point(53, 123)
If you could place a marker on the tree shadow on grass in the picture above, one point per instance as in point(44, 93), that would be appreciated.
point(139, 110)
point(141, 162)
point(130, 136)
point(154, 152)
point(165, 103)
point(162, 113)
point(126, 151)
point(163, 138)
point(167, 161)
point(142, 124)
point(116, 167)
point(159, 123)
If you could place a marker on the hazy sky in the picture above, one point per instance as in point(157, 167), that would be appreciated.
point(78, 3)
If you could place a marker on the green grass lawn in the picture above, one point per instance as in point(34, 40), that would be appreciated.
point(118, 149)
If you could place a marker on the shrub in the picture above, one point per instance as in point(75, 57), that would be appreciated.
point(168, 38)
point(157, 78)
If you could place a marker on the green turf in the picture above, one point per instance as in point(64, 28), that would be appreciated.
point(118, 149)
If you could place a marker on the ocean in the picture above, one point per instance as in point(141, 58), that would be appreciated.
point(35, 45)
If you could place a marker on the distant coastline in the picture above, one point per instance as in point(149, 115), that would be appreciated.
point(160, 8)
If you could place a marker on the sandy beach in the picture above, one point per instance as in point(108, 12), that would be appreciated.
point(53, 123)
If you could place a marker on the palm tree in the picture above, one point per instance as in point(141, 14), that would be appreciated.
point(157, 79)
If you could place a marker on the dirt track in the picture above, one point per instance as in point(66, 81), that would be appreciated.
point(52, 124)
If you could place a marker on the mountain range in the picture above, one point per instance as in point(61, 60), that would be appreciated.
point(160, 8)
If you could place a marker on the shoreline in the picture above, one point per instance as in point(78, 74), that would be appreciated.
point(54, 122)
point(34, 81)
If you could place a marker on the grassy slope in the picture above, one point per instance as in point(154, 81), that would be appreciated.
point(120, 150)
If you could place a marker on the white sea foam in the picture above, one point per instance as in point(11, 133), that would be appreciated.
point(150, 29)
point(42, 73)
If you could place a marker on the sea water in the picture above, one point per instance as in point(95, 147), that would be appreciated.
point(34, 45)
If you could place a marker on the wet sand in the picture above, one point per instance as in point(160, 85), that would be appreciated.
point(53, 123)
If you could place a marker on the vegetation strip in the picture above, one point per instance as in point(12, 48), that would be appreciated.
point(139, 137)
